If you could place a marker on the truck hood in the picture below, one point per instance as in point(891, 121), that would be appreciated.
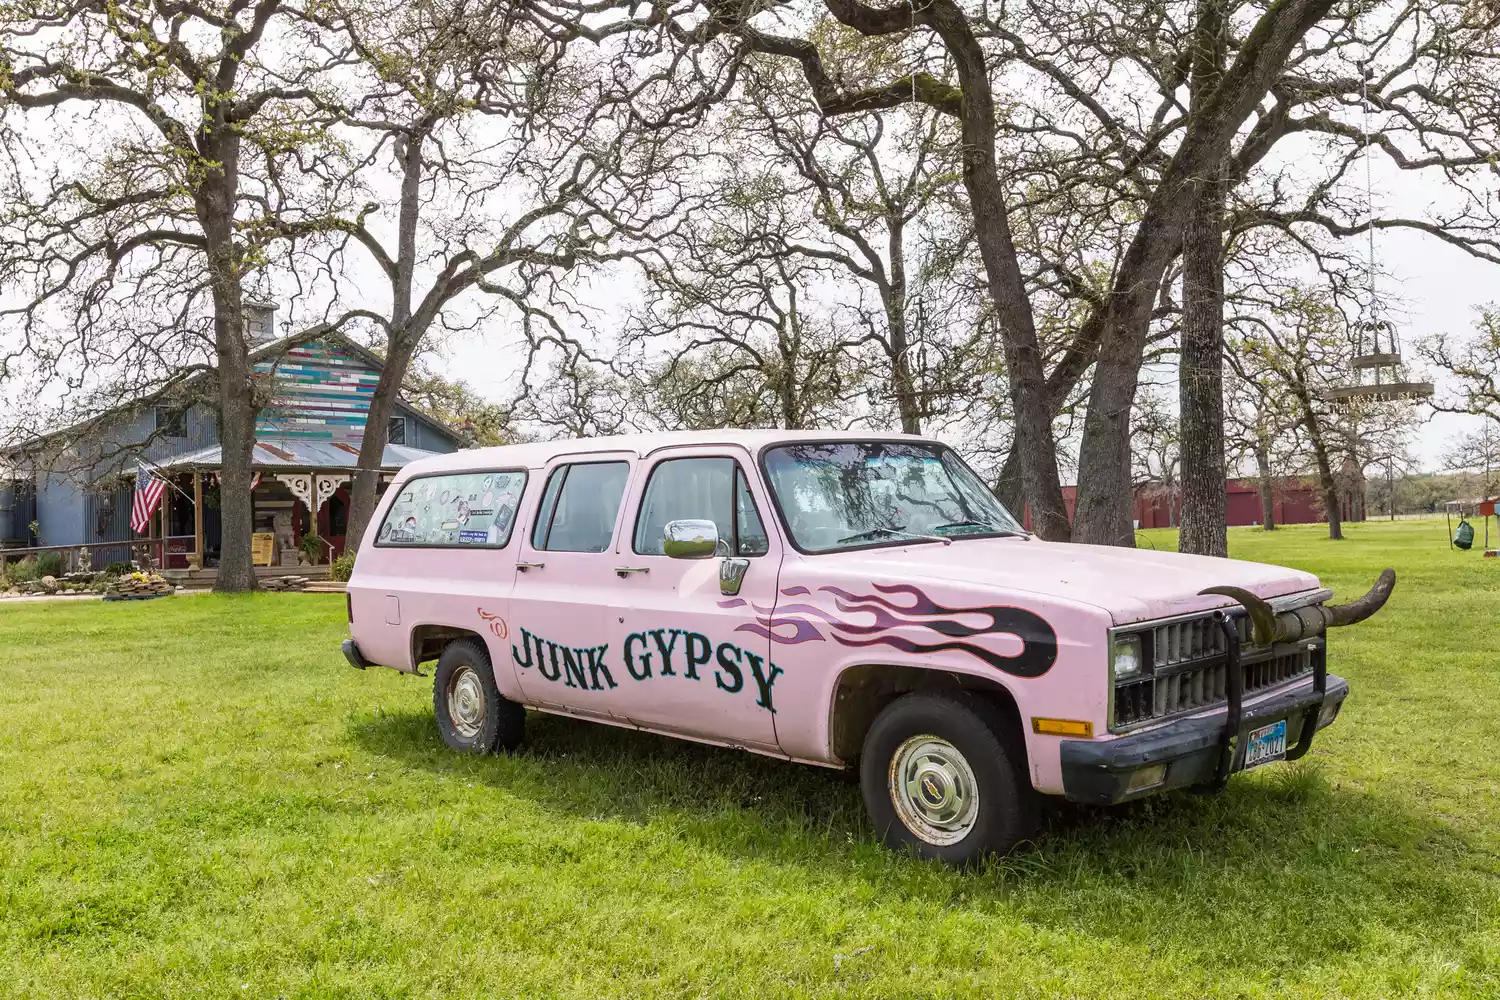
point(1130, 584)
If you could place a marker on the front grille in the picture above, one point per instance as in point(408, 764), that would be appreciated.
point(1194, 687)
point(1193, 639)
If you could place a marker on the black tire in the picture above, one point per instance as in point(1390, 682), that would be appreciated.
point(1008, 808)
point(464, 683)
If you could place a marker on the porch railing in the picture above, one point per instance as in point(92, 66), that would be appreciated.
point(102, 554)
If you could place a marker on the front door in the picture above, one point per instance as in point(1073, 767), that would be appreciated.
point(333, 522)
point(560, 641)
point(697, 661)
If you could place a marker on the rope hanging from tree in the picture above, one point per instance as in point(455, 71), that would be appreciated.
point(1376, 348)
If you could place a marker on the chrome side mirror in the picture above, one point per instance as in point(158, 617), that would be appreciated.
point(731, 575)
point(690, 539)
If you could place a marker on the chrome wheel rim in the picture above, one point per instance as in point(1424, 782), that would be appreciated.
point(466, 702)
point(934, 790)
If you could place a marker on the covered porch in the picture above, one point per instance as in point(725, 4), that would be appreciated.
point(300, 487)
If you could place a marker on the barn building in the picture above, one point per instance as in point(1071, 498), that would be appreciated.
point(1295, 500)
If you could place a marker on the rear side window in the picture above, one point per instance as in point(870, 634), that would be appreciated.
point(579, 507)
point(463, 510)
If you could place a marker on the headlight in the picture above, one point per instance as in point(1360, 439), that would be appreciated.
point(1125, 657)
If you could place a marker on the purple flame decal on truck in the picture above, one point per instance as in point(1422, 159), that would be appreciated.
point(1038, 640)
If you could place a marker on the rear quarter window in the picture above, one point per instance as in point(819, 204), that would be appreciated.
point(457, 510)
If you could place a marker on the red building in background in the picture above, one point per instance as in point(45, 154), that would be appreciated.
point(1294, 500)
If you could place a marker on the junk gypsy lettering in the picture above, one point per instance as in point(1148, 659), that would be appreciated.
point(658, 653)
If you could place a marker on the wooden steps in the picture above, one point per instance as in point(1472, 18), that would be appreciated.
point(196, 579)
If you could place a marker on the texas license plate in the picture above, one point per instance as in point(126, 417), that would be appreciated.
point(1266, 744)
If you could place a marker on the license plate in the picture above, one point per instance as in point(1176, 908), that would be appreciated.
point(1266, 744)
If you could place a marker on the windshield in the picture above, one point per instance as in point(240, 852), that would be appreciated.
point(839, 495)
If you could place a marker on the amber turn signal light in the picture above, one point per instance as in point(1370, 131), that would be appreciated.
point(1062, 727)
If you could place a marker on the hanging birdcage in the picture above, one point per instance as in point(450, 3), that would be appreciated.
point(1376, 365)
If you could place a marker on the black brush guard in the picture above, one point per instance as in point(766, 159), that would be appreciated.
point(1235, 692)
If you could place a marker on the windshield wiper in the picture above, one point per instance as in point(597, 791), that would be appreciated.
point(882, 532)
point(989, 528)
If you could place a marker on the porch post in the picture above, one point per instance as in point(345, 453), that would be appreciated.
point(198, 516)
point(166, 505)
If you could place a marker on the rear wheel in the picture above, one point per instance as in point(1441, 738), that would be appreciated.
point(472, 715)
point(943, 776)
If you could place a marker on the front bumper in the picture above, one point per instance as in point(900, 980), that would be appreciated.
point(1099, 772)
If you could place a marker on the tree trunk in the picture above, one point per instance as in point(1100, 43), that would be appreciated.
point(402, 339)
point(365, 482)
point(1023, 356)
point(1061, 384)
point(1105, 497)
point(238, 407)
point(1008, 485)
point(894, 296)
point(236, 440)
point(1330, 491)
point(1326, 480)
point(1200, 378)
point(1267, 487)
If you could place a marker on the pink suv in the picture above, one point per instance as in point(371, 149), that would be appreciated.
point(841, 601)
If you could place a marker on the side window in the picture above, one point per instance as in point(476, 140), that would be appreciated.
point(171, 421)
point(579, 507)
point(711, 489)
point(750, 536)
point(462, 510)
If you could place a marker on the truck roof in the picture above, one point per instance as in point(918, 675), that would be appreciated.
point(535, 454)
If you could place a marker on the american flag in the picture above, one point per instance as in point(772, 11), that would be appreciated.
point(148, 491)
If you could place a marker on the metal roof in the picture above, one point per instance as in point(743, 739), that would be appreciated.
point(270, 351)
point(292, 453)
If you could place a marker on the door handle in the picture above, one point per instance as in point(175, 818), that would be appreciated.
point(732, 575)
point(625, 571)
point(523, 567)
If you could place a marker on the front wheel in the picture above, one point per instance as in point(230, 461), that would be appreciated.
point(941, 778)
point(472, 715)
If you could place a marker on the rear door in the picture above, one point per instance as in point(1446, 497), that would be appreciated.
point(560, 636)
point(697, 661)
point(441, 552)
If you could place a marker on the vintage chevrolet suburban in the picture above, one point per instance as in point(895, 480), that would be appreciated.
point(843, 601)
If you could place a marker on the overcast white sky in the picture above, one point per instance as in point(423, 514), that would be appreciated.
point(1442, 287)
point(1439, 288)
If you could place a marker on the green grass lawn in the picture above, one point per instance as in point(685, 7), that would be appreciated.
point(198, 798)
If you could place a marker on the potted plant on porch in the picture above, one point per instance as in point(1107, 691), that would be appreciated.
point(312, 547)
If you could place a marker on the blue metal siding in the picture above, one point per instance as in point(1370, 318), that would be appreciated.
point(17, 511)
point(203, 427)
point(108, 520)
point(421, 434)
point(118, 445)
point(60, 510)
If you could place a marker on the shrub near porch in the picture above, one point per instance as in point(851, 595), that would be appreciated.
point(200, 798)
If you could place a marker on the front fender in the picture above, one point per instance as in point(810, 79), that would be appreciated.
point(1048, 653)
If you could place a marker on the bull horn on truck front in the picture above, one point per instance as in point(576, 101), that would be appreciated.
point(1269, 626)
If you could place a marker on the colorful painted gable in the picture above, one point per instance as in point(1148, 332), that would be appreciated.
point(323, 393)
